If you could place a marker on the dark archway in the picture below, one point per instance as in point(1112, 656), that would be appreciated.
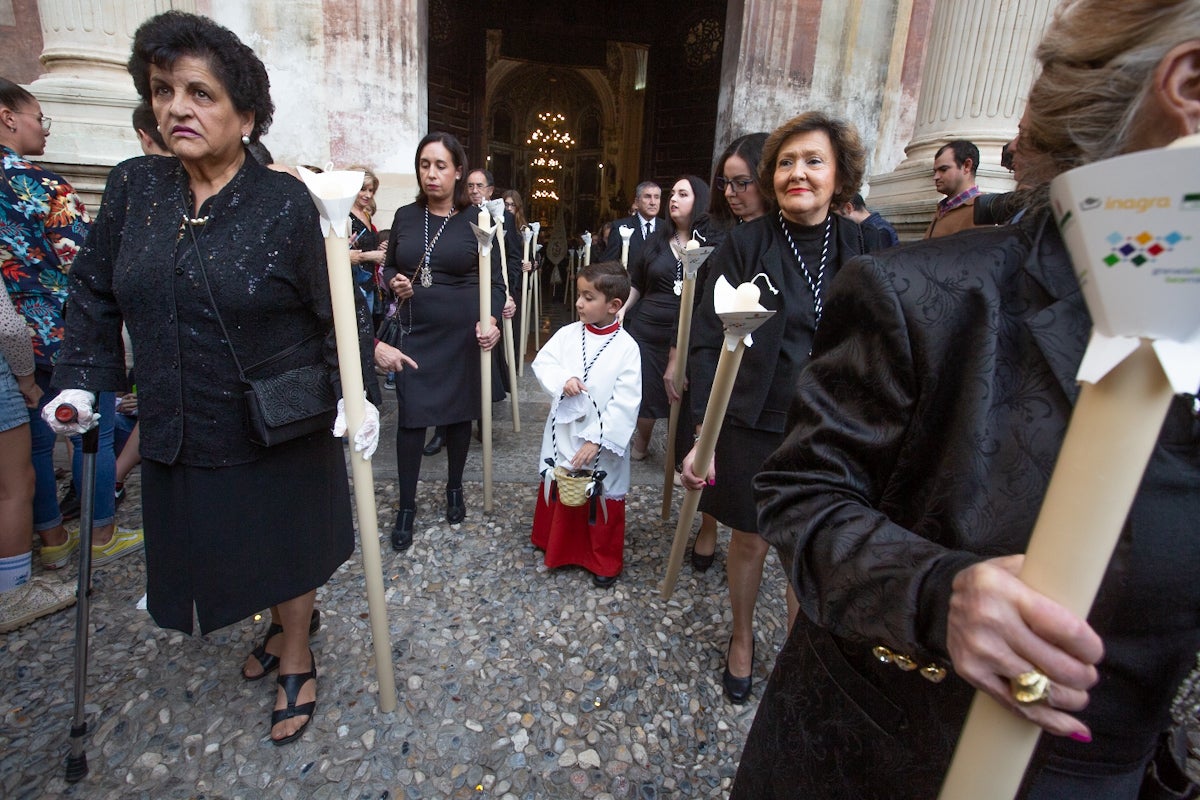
point(643, 81)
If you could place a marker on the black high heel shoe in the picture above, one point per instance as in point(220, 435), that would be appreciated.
point(738, 689)
point(701, 562)
point(292, 684)
point(402, 532)
point(456, 506)
point(269, 661)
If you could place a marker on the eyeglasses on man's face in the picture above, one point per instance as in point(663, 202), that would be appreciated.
point(43, 120)
point(738, 185)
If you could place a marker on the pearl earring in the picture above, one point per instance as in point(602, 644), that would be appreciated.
point(245, 138)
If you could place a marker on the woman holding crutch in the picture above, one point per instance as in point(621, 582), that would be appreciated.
point(216, 263)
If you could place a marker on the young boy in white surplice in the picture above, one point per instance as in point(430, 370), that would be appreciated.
point(592, 371)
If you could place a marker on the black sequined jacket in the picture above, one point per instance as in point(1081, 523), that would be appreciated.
point(265, 261)
point(924, 433)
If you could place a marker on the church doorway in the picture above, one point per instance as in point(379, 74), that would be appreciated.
point(572, 104)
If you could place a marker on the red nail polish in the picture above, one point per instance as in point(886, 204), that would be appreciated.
point(1081, 737)
point(711, 481)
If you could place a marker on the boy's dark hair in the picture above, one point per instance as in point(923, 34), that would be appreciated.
point(609, 278)
point(144, 121)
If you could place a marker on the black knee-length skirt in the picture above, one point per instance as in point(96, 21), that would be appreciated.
point(236, 540)
point(739, 457)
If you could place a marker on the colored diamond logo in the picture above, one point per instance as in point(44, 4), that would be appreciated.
point(1173, 238)
point(1126, 249)
point(1143, 237)
point(1155, 249)
point(1139, 259)
point(1112, 260)
point(1115, 238)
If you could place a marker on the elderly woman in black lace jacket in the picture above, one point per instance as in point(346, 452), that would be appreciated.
point(924, 433)
point(183, 250)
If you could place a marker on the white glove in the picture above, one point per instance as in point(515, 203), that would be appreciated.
point(367, 438)
point(85, 407)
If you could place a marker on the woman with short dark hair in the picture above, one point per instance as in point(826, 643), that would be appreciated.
point(216, 263)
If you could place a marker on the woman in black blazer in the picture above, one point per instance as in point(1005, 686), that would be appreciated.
point(926, 428)
point(811, 164)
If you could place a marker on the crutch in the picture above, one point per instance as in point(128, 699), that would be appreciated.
point(77, 766)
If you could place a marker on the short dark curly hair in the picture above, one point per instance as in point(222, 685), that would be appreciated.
point(164, 39)
point(847, 146)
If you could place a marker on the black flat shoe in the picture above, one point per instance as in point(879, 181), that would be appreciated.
point(435, 445)
point(738, 689)
point(456, 506)
point(603, 582)
point(269, 661)
point(701, 562)
point(402, 532)
point(292, 684)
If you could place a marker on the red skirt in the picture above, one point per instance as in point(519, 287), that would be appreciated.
point(564, 533)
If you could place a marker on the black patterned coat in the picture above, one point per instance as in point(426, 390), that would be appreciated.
point(923, 436)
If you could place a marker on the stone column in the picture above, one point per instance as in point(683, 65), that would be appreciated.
point(978, 68)
point(85, 88)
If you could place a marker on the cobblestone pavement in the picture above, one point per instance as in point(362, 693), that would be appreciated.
point(514, 681)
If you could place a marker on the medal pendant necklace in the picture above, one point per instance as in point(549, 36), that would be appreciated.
point(678, 285)
point(425, 274)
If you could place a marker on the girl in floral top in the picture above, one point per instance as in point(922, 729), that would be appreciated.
point(42, 225)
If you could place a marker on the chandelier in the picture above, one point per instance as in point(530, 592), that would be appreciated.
point(547, 136)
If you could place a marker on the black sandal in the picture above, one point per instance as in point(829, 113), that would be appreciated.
point(269, 661)
point(292, 684)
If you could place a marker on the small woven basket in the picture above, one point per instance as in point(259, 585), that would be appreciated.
point(572, 487)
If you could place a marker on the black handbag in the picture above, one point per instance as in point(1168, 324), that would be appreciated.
point(389, 330)
point(286, 405)
point(290, 404)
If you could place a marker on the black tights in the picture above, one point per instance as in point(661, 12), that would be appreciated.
point(409, 444)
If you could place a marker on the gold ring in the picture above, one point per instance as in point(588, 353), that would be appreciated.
point(1030, 687)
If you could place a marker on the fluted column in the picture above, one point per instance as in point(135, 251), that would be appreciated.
point(85, 88)
point(979, 65)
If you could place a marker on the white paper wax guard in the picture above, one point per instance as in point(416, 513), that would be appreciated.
point(1130, 224)
point(333, 192)
point(739, 310)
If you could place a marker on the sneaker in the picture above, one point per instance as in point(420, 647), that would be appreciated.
point(37, 598)
point(122, 543)
point(68, 506)
point(56, 556)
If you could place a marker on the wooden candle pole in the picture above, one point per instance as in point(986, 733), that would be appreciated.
point(1113, 429)
point(334, 193)
point(585, 258)
point(625, 231)
point(483, 234)
point(527, 236)
point(496, 209)
point(1144, 348)
point(693, 256)
point(742, 318)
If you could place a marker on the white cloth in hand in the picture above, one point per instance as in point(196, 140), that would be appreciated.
point(573, 409)
point(367, 438)
point(85, 408)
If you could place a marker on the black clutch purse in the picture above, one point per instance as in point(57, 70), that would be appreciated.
point(289, 405)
